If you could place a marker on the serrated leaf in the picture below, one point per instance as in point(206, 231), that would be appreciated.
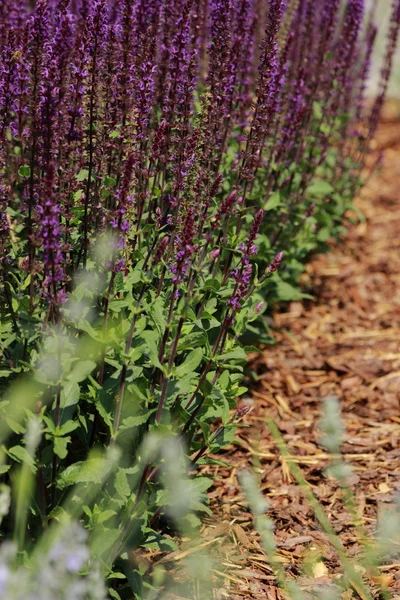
point(190, 364)
point(60, 446)
point(212, 284)
point(88, 471)
point(136, 420)
point(201, 484)
point(70, 394)
point(152, 338)
point(121, 485)
point(157, 315)
point(193, 520)
point(81, 371)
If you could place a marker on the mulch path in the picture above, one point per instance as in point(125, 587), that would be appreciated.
point(344, 343)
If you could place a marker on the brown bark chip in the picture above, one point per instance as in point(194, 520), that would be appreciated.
point(344, 343)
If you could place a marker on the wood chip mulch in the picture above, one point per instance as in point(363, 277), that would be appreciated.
point(344, 343)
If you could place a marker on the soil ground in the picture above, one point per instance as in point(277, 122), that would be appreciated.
point(345, 343)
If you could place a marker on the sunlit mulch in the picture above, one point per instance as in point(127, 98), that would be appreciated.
point(345, 343)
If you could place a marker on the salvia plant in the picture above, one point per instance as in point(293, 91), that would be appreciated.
point(160, 162)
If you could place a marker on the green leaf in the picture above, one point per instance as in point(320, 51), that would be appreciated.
point(20, 454)
point(236, 354)
point(24, 171)
point(323, 234)
point(320, 188)
point(109, 181)
point(116, 575)
point(212, 284)
point(78, 195)
point(60, 446)
point(103, 540)
point(91, 470)
point(193, 520)
point(190, 364)
point(81, 371)
point(136, 420)
point(68, 427)
point(82, 175)
point(249, 349)
point(317, 110)
point(121, 485)
point(157, 315)
point(151, 338)
point(5, 373)
point(105, 516)
point(70, 394)
point(15, 426)
point(201, 484)
point(287, 292)
point(273, 201)
point(157, 541)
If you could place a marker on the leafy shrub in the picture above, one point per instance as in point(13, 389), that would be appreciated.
point(141, 144)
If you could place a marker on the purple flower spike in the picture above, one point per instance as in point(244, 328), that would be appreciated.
point(184, 248)
point(53, 259)
point(260, 307)
point(274, 266)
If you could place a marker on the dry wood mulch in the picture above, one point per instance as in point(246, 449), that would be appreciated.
point(345, 343)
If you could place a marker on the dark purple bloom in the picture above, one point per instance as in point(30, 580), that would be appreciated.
point(184, 248)
point(266, 89)
point(161, 249)
point(50, 234)
point(275, 264)
point(242, 277)
point(119, 221)
point(225, 208)
point(249, 248)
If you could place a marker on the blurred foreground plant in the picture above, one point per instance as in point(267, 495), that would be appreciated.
point(361, 573)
